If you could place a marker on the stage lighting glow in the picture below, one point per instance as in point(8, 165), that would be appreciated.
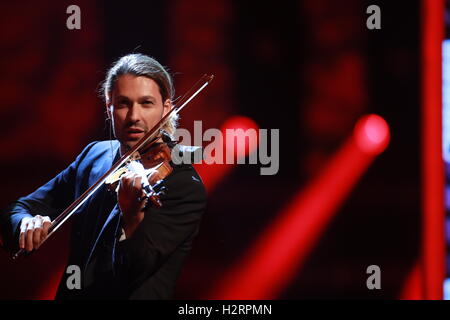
point(245, 141)
point(246, 135)
point(372, 134)
point(280, 251)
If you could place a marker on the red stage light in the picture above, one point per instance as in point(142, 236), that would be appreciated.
point(281, 249)
point(240, 145)
point(244, 141)
point(372, 134)
point(433, 211)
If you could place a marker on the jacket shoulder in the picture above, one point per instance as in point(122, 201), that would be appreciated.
point(185, 183)
point(100, 147)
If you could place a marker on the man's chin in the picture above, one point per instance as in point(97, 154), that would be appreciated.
point(128, 144)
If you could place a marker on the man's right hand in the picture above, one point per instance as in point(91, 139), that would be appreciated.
point(33, 230)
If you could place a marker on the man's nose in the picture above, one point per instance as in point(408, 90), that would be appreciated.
point(134, 113)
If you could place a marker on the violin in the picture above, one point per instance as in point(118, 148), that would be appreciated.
point(147, 157)
point(152, 165)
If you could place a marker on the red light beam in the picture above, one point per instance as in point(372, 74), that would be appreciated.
point(239, 145)
point(280, 251)
point(433, 243)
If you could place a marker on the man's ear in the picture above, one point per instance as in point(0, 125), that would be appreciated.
point(167, 106)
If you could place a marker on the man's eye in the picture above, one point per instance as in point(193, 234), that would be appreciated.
point(148, 102)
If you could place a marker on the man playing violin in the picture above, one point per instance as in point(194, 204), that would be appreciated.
point(125, 248)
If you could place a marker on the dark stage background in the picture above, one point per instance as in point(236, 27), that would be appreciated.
point(310, 68)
